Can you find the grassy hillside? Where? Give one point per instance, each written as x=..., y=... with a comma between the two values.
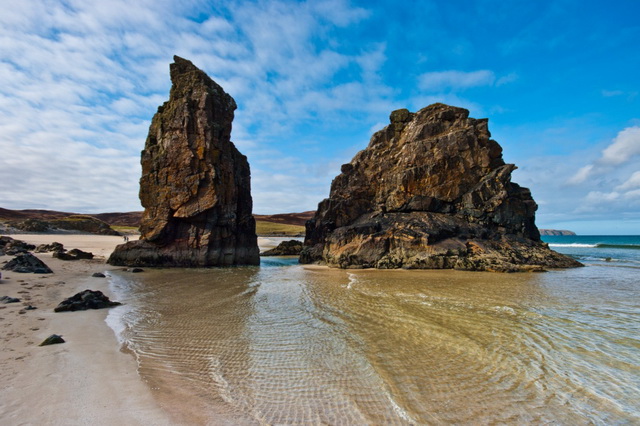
x=264, y=228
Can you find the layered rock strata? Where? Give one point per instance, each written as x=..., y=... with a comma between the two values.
x=430, y=191
x=195, y=185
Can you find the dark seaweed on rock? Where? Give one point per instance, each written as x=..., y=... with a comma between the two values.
x=430, y=191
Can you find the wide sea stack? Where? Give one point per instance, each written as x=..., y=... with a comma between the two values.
x=195, y=185
x=430, y=191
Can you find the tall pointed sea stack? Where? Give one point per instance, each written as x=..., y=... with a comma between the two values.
x=195, y=185
x=430, y=191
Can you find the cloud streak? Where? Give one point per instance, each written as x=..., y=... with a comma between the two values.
x=81, y=80
x=453, y=79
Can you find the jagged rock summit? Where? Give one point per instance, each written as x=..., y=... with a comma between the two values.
x=195, y=185
x=430, y=191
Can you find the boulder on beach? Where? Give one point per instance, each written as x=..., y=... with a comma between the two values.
x=10, y=246
x=27, y=263
x=9, y=299
x=87, y=299
x=74, y=254
x=285, y=248
x=430, y=191
x=45, y=248
x=52, y=340
x=195, y=185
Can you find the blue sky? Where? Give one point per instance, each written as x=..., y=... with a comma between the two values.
x=558, y=81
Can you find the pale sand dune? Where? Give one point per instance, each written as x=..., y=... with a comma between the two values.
x=88, y=379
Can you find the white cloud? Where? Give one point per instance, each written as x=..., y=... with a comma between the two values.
x=506, y=79
x=632, y=183
x=581, y=175
x=624, y=148
x=453, y=79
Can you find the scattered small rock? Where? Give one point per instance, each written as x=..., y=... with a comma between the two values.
x=52, y=340
x=7, y=299
x=26, y=263
x=88, y=299
x=137, y=270
x=30, y=308
x=98, y=275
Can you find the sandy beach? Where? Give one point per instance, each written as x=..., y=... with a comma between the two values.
x=88, y=379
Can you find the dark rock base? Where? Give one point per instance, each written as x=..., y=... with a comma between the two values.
x=285, y=248
x=142, y=253
x=420, y=240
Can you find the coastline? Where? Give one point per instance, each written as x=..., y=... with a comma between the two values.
x=88, y=379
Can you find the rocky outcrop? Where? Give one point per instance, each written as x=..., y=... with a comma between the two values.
x=430, y=191
x=27, y=263
x=556, y=232
x=87, y=299
x=285, y=248
x=195, y=185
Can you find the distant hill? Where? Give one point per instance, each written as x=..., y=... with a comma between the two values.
x=7, y=215
x=121, y=219
x=267, y=224
x=276, y=224
x=555, y=232
x=287, y=218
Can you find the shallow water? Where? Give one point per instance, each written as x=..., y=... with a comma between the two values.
x=287, y=344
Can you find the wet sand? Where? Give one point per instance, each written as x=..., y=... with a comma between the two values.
x=88, y=379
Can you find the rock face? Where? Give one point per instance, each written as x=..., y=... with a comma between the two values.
x=430, y=191
x=195, y=185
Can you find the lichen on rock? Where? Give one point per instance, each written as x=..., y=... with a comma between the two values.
x=430, y=191
x=195, y=185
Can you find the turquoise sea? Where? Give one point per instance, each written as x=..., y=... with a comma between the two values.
x=611, y=250
x=283, y=343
